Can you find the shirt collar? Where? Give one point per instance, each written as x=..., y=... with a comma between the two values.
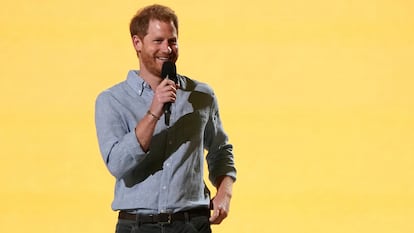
x=136, y=82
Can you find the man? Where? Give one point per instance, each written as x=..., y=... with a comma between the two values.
x=158, y=166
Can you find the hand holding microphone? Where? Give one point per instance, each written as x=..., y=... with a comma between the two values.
x=167, y=89
x=169, y=71
x=165, y=92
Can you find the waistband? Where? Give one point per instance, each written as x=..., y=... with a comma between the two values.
x=165, y=218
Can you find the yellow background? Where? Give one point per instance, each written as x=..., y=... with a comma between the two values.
x=316, y=96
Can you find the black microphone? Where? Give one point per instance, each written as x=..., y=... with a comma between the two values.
x=168, y=71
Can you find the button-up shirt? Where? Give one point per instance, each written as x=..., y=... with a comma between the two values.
x=168, y=177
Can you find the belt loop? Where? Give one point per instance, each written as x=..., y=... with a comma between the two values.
x=186, y=217
x=137, y=220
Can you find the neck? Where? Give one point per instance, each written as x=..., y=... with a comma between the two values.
x=150, y=78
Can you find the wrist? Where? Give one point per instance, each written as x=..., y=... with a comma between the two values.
x=225, y=186
x=151, y=114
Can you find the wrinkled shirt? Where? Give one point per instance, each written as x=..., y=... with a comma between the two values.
x=168, y=177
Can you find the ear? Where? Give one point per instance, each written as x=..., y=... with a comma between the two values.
x=137, y=43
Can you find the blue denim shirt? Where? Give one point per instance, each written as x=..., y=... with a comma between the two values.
x=169, y=177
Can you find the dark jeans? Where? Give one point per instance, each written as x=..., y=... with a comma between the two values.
x=194, y=225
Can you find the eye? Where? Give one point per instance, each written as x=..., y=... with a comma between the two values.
x=172, y=42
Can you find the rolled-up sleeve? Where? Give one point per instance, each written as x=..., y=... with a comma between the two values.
x=220, y=157
x=118, y=144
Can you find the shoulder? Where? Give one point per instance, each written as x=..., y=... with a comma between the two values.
x=114, y=92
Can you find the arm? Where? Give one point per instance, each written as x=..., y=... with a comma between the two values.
x=121, y=148
x=222, y=171
x=221, y=202
x=118, y=145
x=164, y=92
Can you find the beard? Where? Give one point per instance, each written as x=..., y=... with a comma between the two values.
x=149, y=64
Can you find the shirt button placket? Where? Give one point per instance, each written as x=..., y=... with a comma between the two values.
x=166, y=177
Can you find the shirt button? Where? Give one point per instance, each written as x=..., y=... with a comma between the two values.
x=169, y=142
x=164, y=187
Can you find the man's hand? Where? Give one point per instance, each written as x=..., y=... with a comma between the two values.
x=221, y=202
x=165, y=92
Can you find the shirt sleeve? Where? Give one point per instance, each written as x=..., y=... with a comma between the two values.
x=118, y=144
x=220, y=157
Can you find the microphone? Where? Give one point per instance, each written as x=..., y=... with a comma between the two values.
x=168, y=70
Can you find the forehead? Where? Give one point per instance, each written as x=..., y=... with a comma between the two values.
x=161, y=28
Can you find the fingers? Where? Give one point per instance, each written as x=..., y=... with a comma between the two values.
x=167, y=81
x=166, y=91
x=218, y=215
x=168, y=94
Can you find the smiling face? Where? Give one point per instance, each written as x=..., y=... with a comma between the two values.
x=157, y=46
